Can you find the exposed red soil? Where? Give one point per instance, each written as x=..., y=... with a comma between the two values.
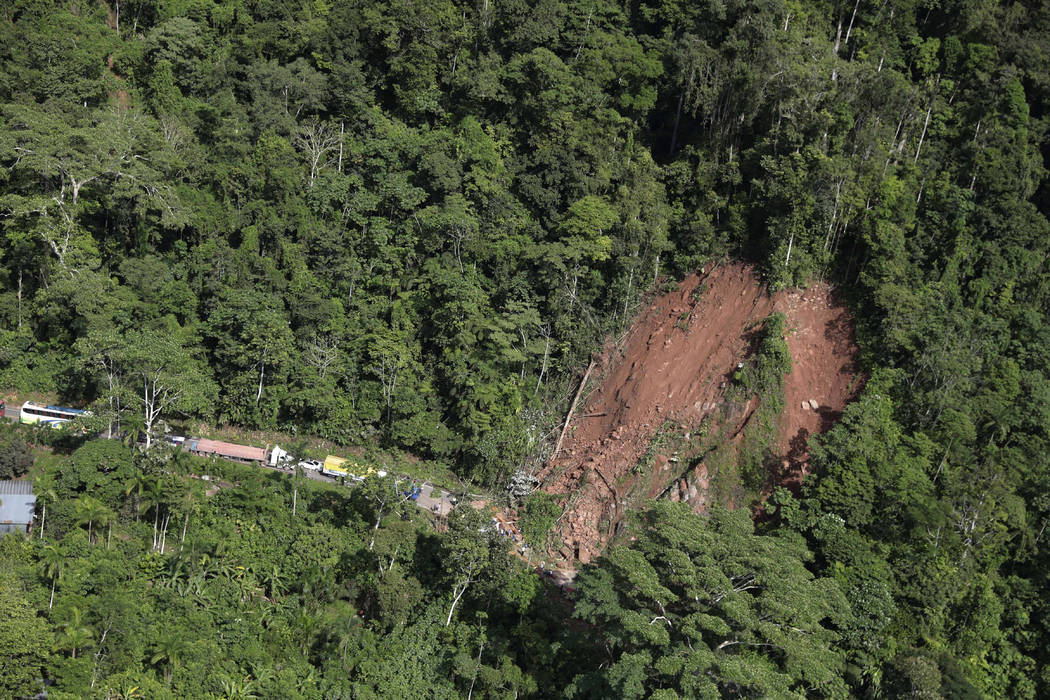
x=674, y=365
x=823, y=354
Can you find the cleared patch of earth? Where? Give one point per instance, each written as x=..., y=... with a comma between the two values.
x=823, y=355
x=669, y=378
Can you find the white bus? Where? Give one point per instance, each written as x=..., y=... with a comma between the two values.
x=51, y=415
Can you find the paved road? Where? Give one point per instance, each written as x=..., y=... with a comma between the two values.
x=435, y=500
x=430, y=499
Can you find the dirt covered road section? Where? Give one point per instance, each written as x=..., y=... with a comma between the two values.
x=661, y=403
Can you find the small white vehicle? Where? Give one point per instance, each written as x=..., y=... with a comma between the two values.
x=311, y=465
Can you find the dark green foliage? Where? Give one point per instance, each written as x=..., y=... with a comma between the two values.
x=705, y=607
x=25, y=638
x=15, y=457
x=406, y=224
x=763, y=373
x=536, y=516
x=762, y=376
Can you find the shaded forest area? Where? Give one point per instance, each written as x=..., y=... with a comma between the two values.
x=409, y=224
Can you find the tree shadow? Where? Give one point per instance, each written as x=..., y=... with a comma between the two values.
x=798, y=447
x=828, y=418
x=338, y=507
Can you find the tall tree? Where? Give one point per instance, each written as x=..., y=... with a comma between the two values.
x=702, y=605
x=166, y=376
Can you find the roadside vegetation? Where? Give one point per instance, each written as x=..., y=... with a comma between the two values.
x=404, y=227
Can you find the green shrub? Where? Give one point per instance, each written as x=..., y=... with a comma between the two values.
x=538, y=516
x=15, y=457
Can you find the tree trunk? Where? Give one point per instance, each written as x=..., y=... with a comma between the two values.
x=148, y=402
x=852, y=17
x=262, y=374
x=477, y=664
x=340, y=168
x=546, y=358
x=43, y=519
x=923, y=135
x=838, y=38
x=51, y=603
x=379, y=518
x=572, y=409
x=164, y=533
x=455, y=602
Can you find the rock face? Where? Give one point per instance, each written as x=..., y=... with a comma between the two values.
x=674, y=365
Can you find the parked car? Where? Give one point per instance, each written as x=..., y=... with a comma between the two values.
x=311, y=465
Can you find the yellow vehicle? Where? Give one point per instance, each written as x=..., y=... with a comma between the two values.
x=335, y=466
x=340, y=466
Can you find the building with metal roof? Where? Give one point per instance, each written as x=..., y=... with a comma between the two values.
x=17, y=504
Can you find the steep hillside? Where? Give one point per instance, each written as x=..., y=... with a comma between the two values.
x=664, y=401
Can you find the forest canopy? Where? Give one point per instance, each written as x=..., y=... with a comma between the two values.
x=408, y=224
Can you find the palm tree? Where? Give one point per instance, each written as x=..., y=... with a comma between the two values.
x=238, y=689
x=138, y=483
x=274, y=581
x=45, y=493
x=189, y=504
x=106, y=518
x=134, y=425
x=168, y=651
x=176, y=573
x=195, y=583
x=247, y=585
x=75, y=634
x=53, y=563
x=91, y=510
x=153, y=497
x=180, y=463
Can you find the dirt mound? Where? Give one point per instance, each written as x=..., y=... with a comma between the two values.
x=669, y=377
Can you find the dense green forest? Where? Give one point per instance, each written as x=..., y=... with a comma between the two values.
x=408, y=224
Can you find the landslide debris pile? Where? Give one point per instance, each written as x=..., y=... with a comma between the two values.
x=667, y=388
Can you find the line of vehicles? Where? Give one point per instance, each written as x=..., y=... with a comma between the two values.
x=273, y=457
x=276, y=458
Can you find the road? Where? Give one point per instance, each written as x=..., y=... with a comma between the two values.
x=430, y=499
x=435, y=500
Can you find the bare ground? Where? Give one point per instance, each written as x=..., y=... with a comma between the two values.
x=669, y=375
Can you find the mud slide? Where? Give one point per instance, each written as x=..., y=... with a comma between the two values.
x=670, y=374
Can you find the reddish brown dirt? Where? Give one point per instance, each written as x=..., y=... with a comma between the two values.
x=823, y=355
x=673, y=366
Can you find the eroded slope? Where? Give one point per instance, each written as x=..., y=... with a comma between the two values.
x=670, y=376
